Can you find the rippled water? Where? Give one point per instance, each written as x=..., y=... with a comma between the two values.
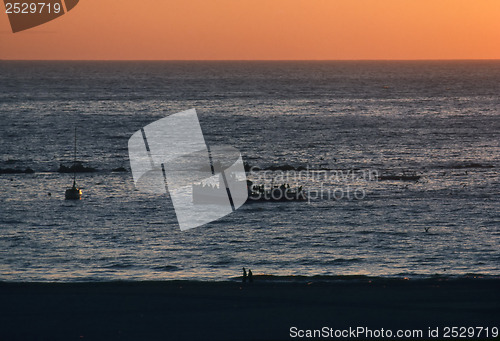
x=439, y=120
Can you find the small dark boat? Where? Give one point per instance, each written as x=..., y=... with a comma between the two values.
x=73, y=193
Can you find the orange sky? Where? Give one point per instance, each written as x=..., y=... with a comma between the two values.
x=263, y=29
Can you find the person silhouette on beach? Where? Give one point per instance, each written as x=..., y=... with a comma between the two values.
x=250, y=276
x=244, y=278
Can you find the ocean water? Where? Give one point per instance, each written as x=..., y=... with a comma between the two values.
x=439, y=120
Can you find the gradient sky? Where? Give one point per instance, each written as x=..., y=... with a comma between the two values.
x=263, y=29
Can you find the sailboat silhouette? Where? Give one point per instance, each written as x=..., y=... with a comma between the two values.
x=73, y=193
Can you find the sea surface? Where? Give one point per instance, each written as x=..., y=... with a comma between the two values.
x=439, y=120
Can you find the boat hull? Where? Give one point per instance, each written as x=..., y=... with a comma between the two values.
x=73, y=194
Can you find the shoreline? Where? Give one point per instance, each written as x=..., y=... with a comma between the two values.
x=270, y=278
x=231, y=310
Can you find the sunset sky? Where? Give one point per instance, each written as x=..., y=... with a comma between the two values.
x=263, y=29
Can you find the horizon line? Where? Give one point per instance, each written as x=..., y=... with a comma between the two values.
x=250, y=60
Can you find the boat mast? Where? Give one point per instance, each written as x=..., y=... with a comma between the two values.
x=74, y=163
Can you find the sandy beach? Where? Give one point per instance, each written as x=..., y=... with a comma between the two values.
x=263, y=310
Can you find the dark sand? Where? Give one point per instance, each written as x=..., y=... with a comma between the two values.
x=262, y=310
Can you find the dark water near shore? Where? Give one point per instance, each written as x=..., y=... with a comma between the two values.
x=439, y=120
